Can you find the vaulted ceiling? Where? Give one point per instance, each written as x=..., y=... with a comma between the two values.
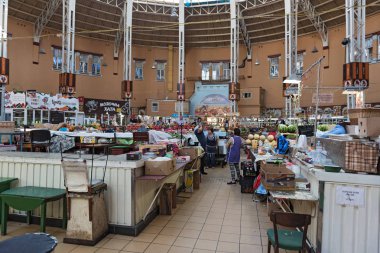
x=207, y=24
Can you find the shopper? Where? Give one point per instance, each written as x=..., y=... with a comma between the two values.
x=198, y=131
x=211, y=147
x=233, y=146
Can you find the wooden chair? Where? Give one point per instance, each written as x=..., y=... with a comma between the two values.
x=288, y=239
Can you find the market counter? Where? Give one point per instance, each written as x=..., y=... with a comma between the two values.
x=347, y=217
x=126, y=198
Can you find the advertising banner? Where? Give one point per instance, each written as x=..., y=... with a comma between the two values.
x=14, y=99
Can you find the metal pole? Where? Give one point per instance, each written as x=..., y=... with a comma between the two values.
x=317, y=104
x=127, y=13
x=181, y=61
x=3, y=49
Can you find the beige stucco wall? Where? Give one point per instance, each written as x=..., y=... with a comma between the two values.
x=25, y=75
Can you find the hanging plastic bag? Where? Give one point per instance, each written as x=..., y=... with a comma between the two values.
x=261, y=190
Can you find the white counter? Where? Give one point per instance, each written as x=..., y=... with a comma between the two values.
x=344, y=228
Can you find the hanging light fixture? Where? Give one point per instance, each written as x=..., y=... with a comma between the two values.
x=257, y=62
x=314, y=50
x=154, y=65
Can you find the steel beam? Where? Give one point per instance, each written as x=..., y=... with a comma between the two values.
x=68, y=36
x=291, y=10
x=234, y=52
x=118, y=36
x=315, y=19
x=127, y=18
x=163, y=8
x=181, y=58
x=44, y=18
x=3, y=50
x=245, y=35
x=355, y=49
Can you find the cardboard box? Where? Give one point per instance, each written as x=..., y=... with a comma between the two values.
x=277, y=177
x=189, y=151
x=159, y=168
x=183, y=159
x=369, y=127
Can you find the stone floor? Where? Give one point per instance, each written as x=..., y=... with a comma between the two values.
x=217, y=218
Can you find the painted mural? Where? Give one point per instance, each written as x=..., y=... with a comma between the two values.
x=210, y=100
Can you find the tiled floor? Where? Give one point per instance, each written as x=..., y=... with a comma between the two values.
x=217, y=218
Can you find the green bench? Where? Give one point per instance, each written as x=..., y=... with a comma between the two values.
x=29, y=198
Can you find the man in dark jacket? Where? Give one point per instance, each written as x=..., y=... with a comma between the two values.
x=198, y=131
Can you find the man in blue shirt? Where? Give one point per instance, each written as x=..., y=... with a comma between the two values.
x=198, y=131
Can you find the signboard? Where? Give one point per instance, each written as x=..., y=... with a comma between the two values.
x=101, y=106
x=324, y=98
x=356, y=76
x=350, y=196
x=14, y=99
x=291, y=90
x=38, y=100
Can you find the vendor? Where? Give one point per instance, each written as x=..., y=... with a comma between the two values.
x=233, y=158
x=211, y=147
x=159, y=122
x=198, y=131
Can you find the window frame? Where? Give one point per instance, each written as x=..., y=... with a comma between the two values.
x=139, y=65
x=57, y=56
x=299, y=69
x=160, y=71
x=94, y=64
x=157, y=106
x=83, y=69
x=274, y=62
x=246, y=93
x=226, y=71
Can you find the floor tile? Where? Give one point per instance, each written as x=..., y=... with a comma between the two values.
x=250, y=239
x=152, y=229
x=207, y=235
x=157, y=248
x=185, y=242
x=176, y=249
x=206, y=244
x=248, y=248
x=228, y=247
x=144, y=237
x=105, y=251
x=230, y=229
x=84, y=249
x=180, y=217
x=194, y=226
x=170, y=231
x=115, y=244
x=165, y=239
x=203, y=251
x=136, y=246
x=211, y=228
x=175, y=224
x=190, y=233
x=64, y=248
x=225, y=237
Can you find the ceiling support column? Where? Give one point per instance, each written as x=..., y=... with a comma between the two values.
x=290, y=49
x=4, y=61
x=67, y=78
x=127, y=84
x=234, y=89
x=181, y=59
x=355, y=46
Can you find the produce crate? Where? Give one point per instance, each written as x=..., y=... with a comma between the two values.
x=141, y=136
x=364, y=113
x=277, y=177
x=246, y=184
